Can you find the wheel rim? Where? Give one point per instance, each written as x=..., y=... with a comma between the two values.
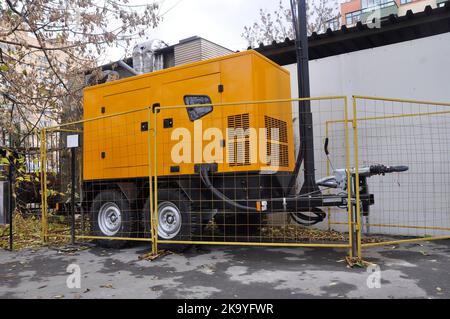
x=169, y=220
x=110, y=219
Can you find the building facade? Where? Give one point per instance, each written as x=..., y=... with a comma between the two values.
x=354, y=11
x=404, y=58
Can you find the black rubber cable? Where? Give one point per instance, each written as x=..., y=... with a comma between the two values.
x=310, y=220
x=205, y=178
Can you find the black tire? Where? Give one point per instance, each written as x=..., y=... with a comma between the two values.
x=128, y=219
x=190, y=222
x=240, y=226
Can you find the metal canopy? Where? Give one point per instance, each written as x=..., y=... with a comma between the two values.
x=360, y=37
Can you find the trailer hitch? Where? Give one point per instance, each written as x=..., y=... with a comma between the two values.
x=340, y=181
x=340, y=178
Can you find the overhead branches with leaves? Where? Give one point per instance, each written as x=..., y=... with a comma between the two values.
x=277, y=25
x=46, y=44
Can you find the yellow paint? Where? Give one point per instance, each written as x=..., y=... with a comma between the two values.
x=246, y=76
x=44, y=204
x=358, y=195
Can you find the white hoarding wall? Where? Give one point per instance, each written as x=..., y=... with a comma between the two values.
x=417, y=70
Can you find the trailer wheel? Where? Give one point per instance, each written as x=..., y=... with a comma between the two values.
x=176, y=221
x=112, y=217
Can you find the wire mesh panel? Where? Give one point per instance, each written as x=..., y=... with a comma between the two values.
x=56, y=187
x=20, y=196
x=413, y=135
x=205, y=172
x=97, y=176
x=228, y=173
x=239, y=173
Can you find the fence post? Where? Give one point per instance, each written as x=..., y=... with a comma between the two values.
x=11, y=202
x=44, y=221
x=347, y=166
x=155, y=188
x=328, y=173
x=72, y=193
x=356, y=182
x=152, y=180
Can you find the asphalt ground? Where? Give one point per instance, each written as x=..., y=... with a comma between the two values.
x=407, y=271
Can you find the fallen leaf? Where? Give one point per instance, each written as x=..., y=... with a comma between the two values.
x=108, y=286
x=333, y=284
x=153, y=257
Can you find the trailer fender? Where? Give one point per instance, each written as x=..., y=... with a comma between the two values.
x=184, y=186
x=129, y=190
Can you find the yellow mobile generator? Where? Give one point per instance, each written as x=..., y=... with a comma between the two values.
x=235, y=190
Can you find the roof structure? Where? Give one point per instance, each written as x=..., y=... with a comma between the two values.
x=393, y=30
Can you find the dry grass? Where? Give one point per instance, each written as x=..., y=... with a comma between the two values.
x=27, y=232
x=295, y=233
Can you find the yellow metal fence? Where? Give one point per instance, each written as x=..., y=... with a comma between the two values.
x=134, y=151
x=136, y=147
x=411, y=206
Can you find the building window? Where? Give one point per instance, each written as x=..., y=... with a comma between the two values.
x=333, y=24
x=405, y=1
x=353, y=17
x=196, y=113
x=370, y=4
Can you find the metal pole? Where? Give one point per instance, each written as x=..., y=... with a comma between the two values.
x=72, y=199
x=354, y=234
x=306, y=119
x=306, y=152
x=11, y=203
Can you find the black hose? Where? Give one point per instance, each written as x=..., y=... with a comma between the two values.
x=205, y=178
x=298, y=165
x=309, y=220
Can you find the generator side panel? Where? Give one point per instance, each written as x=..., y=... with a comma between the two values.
x=272, y=82
x=181, y=138
x=237, y=77
x=116, y=147
x=184, y=142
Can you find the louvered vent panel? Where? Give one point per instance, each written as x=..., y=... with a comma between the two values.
x=277, y=142
x=239, y=140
